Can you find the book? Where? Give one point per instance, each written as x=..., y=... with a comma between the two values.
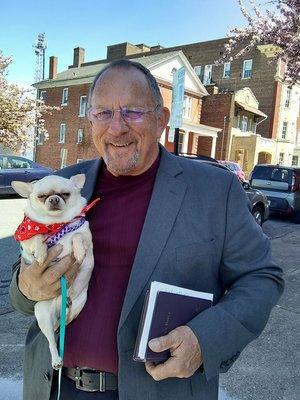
x=165, y=308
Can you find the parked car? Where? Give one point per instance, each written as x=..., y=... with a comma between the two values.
x=235, y=168
x=259, y=202
x=282, y=187
x=16, y=168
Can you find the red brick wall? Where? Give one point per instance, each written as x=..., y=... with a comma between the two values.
x=214, y=109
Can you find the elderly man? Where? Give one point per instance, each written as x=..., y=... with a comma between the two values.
x=162, y=218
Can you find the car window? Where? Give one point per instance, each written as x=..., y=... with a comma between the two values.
x=1, y=162
x=280, y=175
x=262, y=173
x=18, y=163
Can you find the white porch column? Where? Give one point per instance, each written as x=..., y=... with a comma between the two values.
x=185, y=142
x=213, y=147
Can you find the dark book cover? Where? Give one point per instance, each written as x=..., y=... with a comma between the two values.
x=170, y=311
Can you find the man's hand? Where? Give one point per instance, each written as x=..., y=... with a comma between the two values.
x=186, y=355
x=42, y=282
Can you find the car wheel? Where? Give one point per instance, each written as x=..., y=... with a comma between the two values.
x=258, y=215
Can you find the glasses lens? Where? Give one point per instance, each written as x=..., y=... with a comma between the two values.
x=133, y=114
x=102, y=114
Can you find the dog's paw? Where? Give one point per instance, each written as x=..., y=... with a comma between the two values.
x=57, y=363
x=40, y=255
x=79, y=253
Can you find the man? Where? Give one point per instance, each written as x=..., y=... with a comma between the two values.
x=162, y=218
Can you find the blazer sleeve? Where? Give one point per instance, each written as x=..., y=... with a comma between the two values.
x=252, y=283
x=18, y=301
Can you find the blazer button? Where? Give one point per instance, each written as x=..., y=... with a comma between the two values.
x=46, y=376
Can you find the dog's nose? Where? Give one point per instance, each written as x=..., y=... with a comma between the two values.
x=54, y=200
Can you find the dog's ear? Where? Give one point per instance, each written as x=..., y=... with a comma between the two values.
x=22, y=188
x=78, y=180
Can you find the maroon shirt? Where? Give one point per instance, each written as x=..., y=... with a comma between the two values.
x=116, y=222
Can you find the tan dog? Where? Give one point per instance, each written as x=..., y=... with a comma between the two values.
x=56, y=200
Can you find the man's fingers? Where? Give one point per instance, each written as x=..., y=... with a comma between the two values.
x=168, y=369
x=71, y=274
x=54, y=272
x=172, y=340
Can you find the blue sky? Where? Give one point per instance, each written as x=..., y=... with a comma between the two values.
x=96, y=24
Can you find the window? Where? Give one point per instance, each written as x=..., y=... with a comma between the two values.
x=65, y=97
x=226, y=70
x=43, y=95
x=288, y=97
x=295, y=160
x=207, y=78
x=17, y=163
x=79, y=136
x=284, y=130
x=39, y=138
x=82, y=106
x=247, y=69
x=280, y=162
x=63, y=157
x=244, y=123
x=187, y=107
x=180, y=142
x=62, y=133
x=198, y=70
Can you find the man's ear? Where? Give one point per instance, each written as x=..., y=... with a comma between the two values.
x=24, y=189
x=162, y=120
x=78, y=180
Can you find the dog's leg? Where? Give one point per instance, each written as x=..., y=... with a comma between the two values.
x=79, y=246
x=40, y=249
x=47, y=318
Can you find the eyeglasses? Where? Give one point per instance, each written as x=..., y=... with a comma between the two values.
x=129, y=114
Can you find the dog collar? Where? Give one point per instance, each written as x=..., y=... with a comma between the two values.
x=29, y=228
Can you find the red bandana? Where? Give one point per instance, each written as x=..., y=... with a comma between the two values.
x=28, y=228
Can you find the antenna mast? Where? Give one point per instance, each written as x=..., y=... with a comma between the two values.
x=39, y=48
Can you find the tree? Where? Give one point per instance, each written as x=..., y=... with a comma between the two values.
x=20, y=112
x=281, y=30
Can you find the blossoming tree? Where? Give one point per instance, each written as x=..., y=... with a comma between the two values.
x=20, y=112
x=281, y=29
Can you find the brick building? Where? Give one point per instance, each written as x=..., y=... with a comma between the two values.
x=70, y=138
x=254, y=71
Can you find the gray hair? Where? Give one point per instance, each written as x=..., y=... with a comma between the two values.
x=127, y=64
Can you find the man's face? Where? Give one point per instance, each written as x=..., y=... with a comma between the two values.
x=128, y=148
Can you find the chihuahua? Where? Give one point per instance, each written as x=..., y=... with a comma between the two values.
x=55, y=212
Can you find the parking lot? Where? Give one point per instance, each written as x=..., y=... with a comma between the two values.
x=267, y=369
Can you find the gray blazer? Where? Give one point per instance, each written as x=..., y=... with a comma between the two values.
x=199, y=234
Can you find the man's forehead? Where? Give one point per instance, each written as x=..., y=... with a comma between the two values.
x=122, y=76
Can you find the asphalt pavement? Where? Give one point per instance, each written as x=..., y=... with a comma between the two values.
x=268, y=369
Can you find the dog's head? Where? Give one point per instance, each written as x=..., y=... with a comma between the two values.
x=52, y=196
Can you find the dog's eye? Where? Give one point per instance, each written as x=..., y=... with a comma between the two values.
x=65, y=194
x=41, y=196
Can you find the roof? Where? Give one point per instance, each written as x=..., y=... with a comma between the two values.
x=253, y=110
x=87, y=73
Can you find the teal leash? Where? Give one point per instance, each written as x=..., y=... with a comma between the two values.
x=62, y=326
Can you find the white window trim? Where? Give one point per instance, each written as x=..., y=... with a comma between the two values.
x=207, y=76
x=198, y=68
x=187, y=109
x=82, y=137
x=227, y=70
x=39, y=139
x=82, y=114
x=284, y=131
x=63, y=157
x=63, y=102
x=244, y=69
x=60, y=140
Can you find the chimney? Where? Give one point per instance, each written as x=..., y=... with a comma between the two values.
x=52, y=67
x=78, y=57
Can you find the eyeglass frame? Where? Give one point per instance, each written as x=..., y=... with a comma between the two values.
x=122, y=110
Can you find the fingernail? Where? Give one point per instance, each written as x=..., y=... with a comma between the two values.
x=153, y=343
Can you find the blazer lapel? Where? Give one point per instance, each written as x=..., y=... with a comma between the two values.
x=167, y=196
